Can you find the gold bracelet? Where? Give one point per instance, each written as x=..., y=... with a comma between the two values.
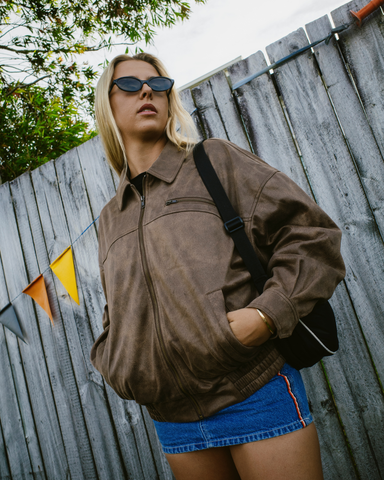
x=265, y=321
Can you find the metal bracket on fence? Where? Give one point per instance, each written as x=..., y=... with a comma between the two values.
x=291, y=56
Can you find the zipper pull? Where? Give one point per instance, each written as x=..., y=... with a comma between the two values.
x=142, y=201
x=169, y=202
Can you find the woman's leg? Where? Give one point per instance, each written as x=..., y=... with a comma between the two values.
x=294, y=456
x=210, y=464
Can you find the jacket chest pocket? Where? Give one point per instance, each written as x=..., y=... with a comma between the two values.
x=190, y=200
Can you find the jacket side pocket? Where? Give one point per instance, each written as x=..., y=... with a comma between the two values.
x=233, y=346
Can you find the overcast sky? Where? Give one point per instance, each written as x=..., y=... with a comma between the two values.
x=222, y=30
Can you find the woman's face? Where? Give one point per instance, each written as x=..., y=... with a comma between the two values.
x=127, y=107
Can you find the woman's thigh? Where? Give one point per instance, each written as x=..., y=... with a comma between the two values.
x=294, y=456
x=210, y=464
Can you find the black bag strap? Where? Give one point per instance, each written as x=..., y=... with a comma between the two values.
x=233, y=224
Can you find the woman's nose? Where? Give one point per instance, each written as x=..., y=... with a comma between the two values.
x=146, y=91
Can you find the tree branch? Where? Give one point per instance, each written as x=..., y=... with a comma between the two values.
x=10, y=30
x=70, y=49
x=26, y=85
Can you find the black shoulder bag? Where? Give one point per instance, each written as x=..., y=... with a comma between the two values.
x=315, y=336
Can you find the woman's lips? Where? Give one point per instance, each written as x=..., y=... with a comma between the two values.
x=147, y=112
x=147, y=109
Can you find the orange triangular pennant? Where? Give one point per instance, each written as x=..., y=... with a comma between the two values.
x=9, y=319
x=38, y=292
x=64, y=269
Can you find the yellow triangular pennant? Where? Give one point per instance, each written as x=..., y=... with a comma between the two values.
x=38, y=291
x=64, y=270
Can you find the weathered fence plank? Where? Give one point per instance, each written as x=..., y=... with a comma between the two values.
x=98, y=178
x=327, y=161
x=264, y=119
x=229, y=115
x=356, y=391
x=165, y=472
x=16, y=461
x=89, y=383
x=128, y=420
x=208, y=113
x=250, y=101
x=28, y=361
x=11, y=426
x=363, y=49
x=77, y=212
x=190, y=107
x=362, y=143
x=53, y=338
x=336, y=460
x=4, y=468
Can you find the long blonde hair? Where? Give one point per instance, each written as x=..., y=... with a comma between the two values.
x=184, y=137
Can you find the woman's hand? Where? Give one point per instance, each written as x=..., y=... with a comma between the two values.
x=248, y=326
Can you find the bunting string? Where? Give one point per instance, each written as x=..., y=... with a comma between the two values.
x=49, y=268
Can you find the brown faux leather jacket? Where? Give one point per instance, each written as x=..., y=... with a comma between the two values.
x=170, y=274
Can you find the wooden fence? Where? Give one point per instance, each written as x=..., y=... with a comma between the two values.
x=320, y=119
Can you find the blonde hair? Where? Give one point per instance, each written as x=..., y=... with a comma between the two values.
x=184, y=137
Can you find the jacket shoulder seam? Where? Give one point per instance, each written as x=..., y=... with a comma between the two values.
x=260, y=192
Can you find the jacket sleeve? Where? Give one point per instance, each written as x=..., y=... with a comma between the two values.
x=302, y=244
x=98, y=347
x=105, y=313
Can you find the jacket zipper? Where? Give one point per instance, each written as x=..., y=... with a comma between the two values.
x=188, y=199
x=156, y=307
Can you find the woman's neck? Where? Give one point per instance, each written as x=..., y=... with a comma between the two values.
x=141, y=155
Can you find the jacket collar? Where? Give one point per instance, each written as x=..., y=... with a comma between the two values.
x=165, y=167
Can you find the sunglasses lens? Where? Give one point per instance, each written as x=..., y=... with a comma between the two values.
x=133, y=84
x=129, y=84
x=160, y=84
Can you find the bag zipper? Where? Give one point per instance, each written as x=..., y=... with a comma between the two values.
x=155, y=305
x=188, y=199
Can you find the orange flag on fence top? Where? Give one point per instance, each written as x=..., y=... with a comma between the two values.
x=9, y=319
x=37, y=290
x=64, y=270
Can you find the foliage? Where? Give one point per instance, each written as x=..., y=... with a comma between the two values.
x=41, y=42
x=43, y=38
x=35, y=128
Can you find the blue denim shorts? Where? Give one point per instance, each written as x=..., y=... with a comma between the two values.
x=279, y=407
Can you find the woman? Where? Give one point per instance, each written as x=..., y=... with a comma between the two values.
x=185, y=332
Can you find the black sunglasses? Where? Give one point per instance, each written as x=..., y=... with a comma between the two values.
x=133, y=84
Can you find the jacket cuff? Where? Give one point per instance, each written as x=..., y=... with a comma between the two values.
x=279, y=308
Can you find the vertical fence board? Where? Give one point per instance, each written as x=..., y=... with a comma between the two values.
x=322, y=145
x=72, y=425
x=98, y=177
x=165, y=472
x=14, y=459
x=28, y=364
x=190, y=107
x=127, y=416
x=356, y=391
x=78, y=215
x=264, y=119
x=357, y=131
x=335, y=458
x=226, y=105
x=89, y=383
x=4, y=468
x=54, y=232
x=258, y=101
x=210, y=117
x=364, y=50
